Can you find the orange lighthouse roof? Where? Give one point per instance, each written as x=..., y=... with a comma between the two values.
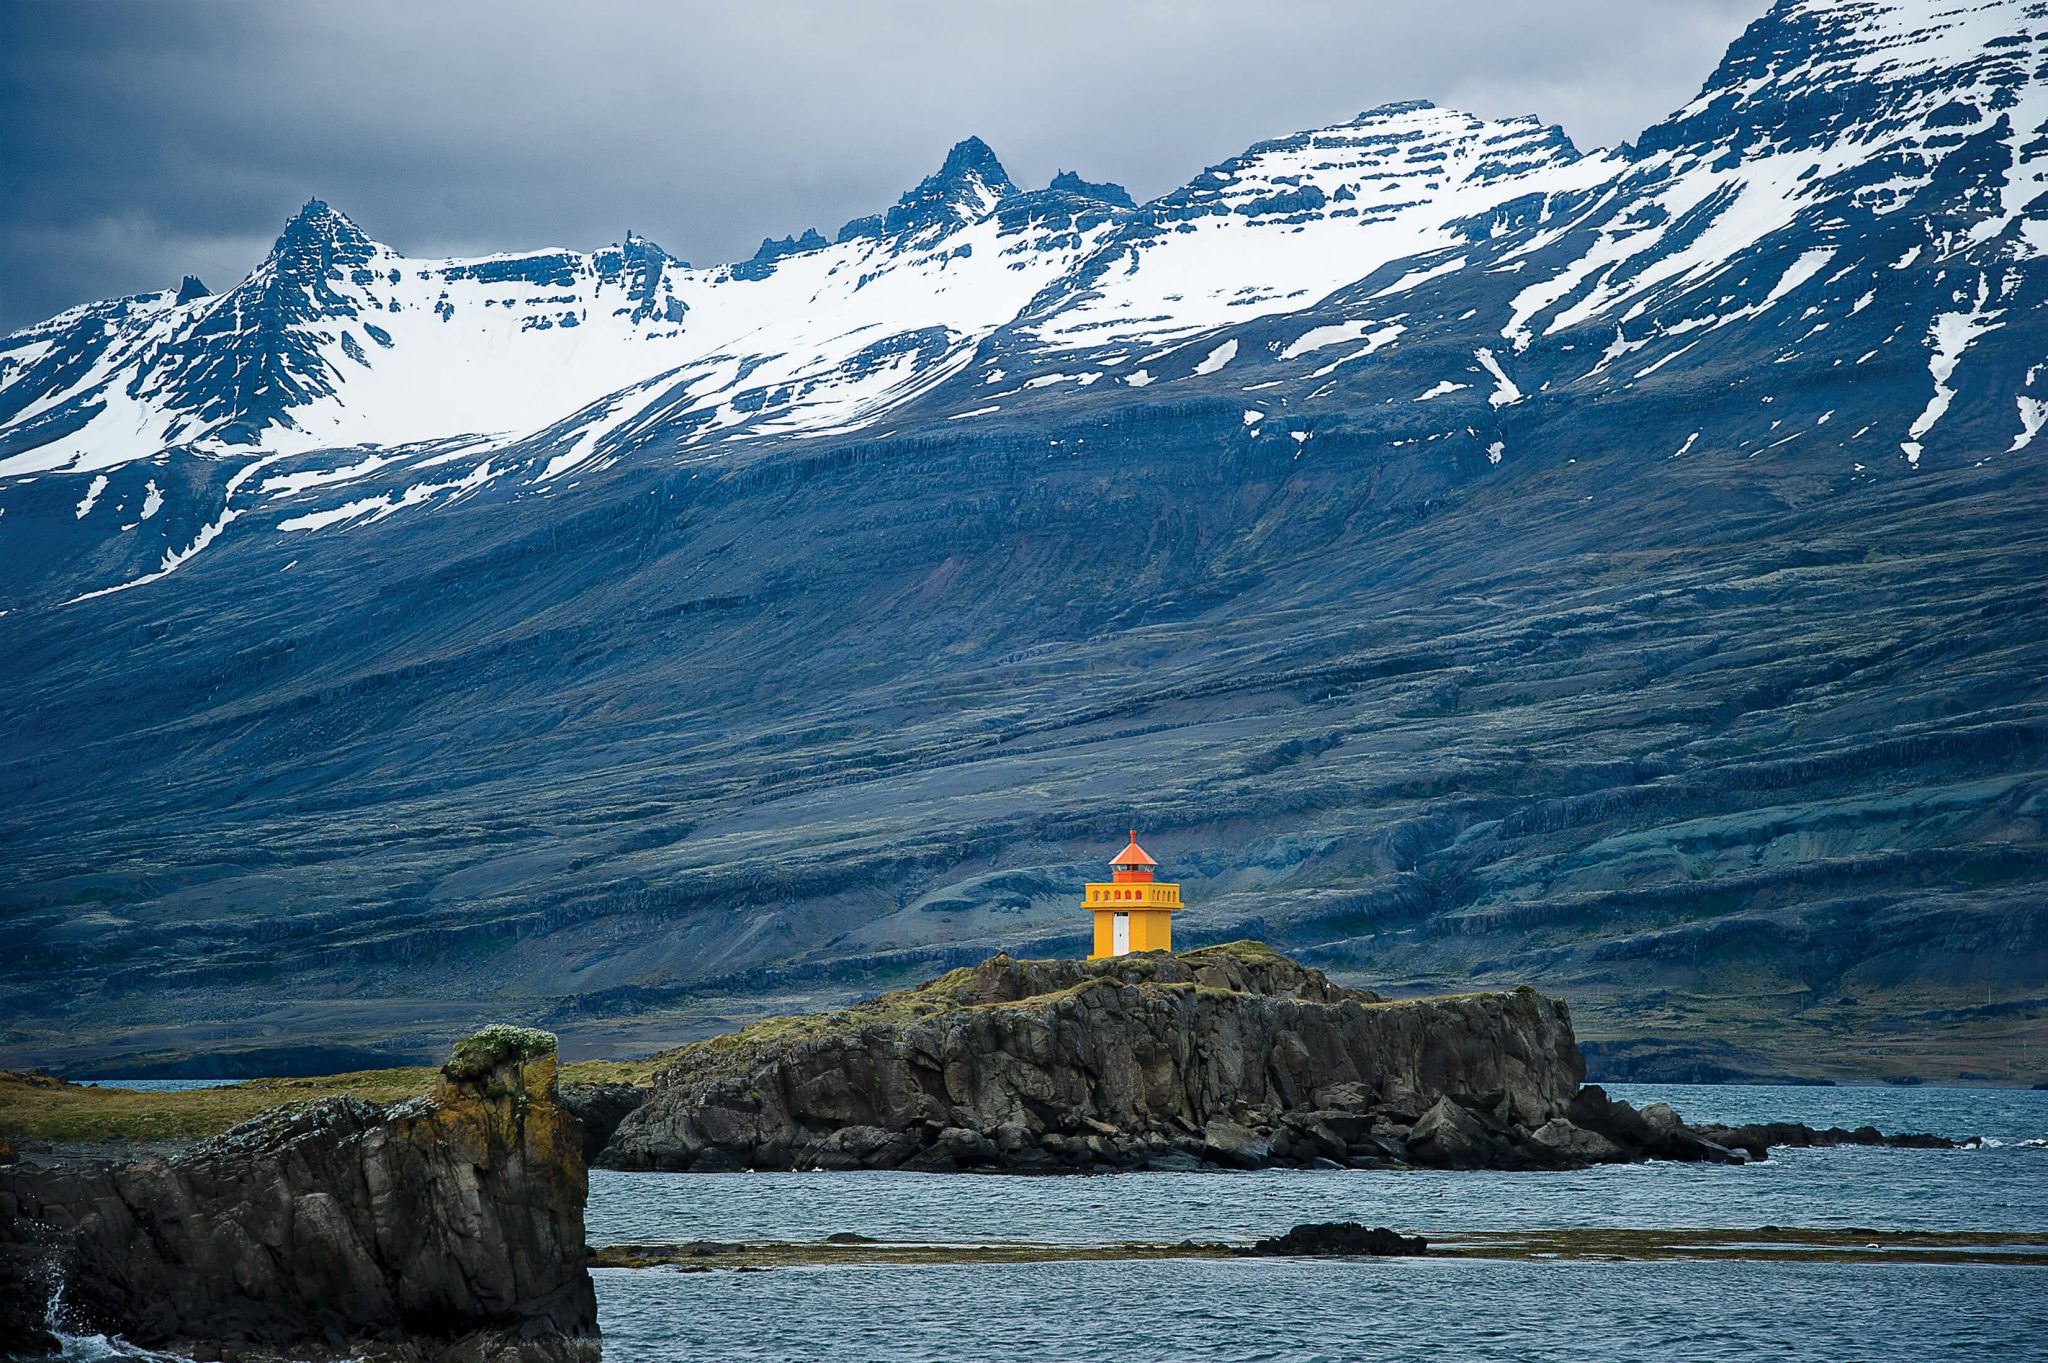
x=1133, y=855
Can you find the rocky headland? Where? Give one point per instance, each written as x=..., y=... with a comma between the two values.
x=442, y=1228
x=1231, y=1056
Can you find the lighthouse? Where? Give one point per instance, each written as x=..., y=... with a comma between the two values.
x=1133, y=912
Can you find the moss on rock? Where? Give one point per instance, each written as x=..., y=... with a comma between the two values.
x=482, y=1051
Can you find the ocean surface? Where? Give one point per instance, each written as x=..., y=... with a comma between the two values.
x=1300, y=1311
x=158, y=1085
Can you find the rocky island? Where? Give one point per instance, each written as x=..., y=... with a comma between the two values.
x=1227, y=1055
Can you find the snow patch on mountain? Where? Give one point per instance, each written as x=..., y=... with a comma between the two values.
x=1217, y=358
x=1952, y=334
x=1504, y=393
x=92, y=496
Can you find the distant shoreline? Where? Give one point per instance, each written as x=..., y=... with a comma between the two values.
x=2024, y=1249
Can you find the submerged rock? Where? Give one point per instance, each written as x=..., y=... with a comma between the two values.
x=1225, y=1056
x=1340, y=1238
x=447, y=1227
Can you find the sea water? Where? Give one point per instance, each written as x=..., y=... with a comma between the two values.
x=1238, y=1311
x=158, y=1085
x=2001, y=1184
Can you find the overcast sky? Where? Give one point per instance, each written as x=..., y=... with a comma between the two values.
x=141, y=140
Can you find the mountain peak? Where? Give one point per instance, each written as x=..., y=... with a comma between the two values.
x=1379, y=113
x=973, y=159
x=1809, y=73
x=318, y=232
x=190, y=288
x=637, y=247
x=965, y=188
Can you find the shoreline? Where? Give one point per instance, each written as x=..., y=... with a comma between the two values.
x=2019, y=1249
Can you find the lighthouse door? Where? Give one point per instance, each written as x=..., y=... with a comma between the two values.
x=1120, y=935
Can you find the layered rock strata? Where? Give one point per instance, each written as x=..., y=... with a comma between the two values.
x=447, y=1227
x=1229, y=1055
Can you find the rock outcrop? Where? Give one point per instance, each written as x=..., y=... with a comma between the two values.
x=1345, y=1239
x=1756, y=1138
x=447, y=1227
x=599, y=1108
x=1229, y=1055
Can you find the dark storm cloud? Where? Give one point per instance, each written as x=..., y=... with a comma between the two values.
x=144, y=139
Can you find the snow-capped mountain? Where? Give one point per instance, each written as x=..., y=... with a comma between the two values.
x=1858, y=184
x=1281, y=227
x=1858, y=187
x=334, y=338
x=337, y=339
x=1483, y=560
x=337, y=342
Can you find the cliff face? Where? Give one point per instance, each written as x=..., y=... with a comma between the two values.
x=1231, y=1054
x=448, y=1227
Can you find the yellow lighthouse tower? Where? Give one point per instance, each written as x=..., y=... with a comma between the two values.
x=1132, y=912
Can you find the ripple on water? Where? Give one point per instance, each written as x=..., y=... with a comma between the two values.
x=1199, y=1310
x=2000, y=1188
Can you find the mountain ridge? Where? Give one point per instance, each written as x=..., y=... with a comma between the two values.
x=1477, y=560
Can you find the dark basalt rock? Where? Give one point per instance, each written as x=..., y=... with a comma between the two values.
x=599, y=1108
x=1340, y=1238
x=1654, y=1132
x=1228, y=1056
x=1757, y=1137
x=442, y=1228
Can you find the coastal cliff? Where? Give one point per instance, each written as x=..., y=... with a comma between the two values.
x=447, y=1227
x=1230, y=1055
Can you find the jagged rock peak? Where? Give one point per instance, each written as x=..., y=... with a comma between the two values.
x=190, y=288
x=772, y=249
x=762, y=263
x=316, y=242
x=643, y=268
x=972, y=159
x=639, y=250
x=969, y=184
x=317, y=221
x=638, y=246
x=1067, y=182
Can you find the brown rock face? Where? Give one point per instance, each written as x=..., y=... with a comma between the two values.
x=445, y=1228
x=1231, y=1055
